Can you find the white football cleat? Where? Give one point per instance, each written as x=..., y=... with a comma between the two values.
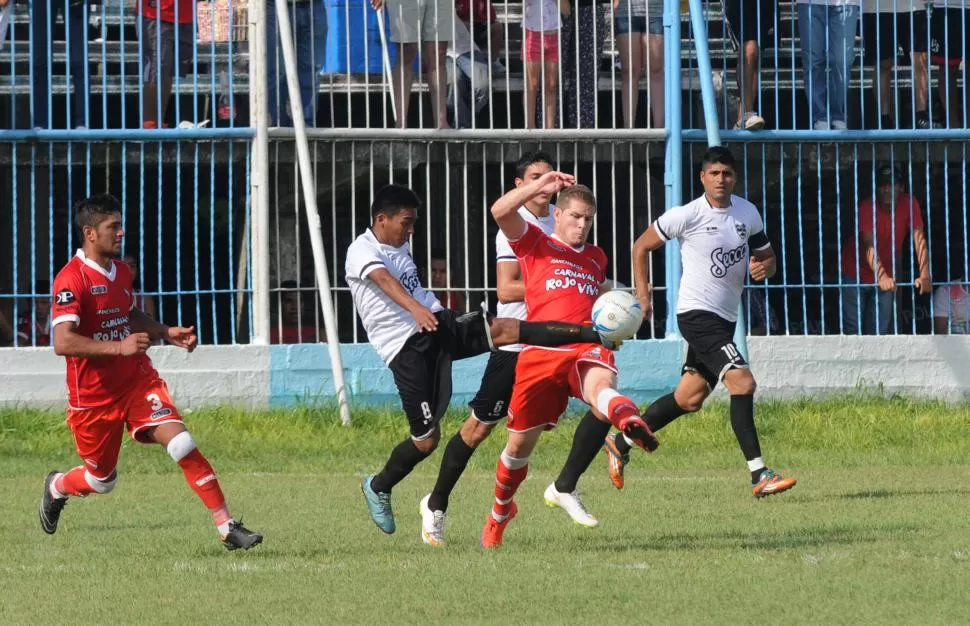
x=571, y=504
x=432, y=524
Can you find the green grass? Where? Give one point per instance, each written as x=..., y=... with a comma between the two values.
x=876, y=531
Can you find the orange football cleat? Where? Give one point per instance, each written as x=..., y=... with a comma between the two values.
x=493, y=531
x=615, y=460
x=771, y=483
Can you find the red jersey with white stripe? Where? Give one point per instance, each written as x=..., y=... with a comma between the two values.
x=98, y=301
x=561, y=282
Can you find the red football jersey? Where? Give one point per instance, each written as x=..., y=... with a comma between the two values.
x=561, y=282
x=98, y=301
x=181, y=11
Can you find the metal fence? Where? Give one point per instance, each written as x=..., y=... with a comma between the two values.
x=188, y=190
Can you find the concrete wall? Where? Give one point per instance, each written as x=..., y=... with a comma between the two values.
x=259, y=376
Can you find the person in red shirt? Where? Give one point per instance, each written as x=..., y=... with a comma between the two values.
x=168, y=46
x=34, y=328
x=291, y=327
x=111, y=382
x=563, y=276
x=868, y=295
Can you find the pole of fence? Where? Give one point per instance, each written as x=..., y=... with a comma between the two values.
x=674, y=158
x=312, y=214
x=711, y=122
x=259, y=179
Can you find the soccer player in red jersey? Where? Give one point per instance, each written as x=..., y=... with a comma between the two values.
x=111, y=382
x=563, y=276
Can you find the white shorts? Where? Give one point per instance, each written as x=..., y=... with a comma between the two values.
x=414, y=21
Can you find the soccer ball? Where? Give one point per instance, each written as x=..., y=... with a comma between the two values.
x=617, y=315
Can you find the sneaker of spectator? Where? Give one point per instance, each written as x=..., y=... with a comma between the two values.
x=826, y=30
x=428, y=24
x=748, y=25
x=540, y=54
x=639, y=29
x=168, y=47
x=887, y=26
x=308, y=21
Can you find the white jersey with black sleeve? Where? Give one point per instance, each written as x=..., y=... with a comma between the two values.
x=504, y=254
x=715, y=247
x=388, y=325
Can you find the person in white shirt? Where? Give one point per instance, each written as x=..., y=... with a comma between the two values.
x=951, y=309
x=419, y=339
x=827, y=31
x=722, y=238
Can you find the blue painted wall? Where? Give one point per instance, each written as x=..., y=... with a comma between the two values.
x=302, y=373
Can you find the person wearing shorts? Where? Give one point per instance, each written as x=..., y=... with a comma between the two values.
x=639, y=29
x=949, y=47
x=414, y=22
x=887, y=27
x=112, y=385
x=167, y=50
x=540, y=55
x=749, y=25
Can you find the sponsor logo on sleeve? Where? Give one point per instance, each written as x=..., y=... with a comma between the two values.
x=97, y=290
x=64, y=297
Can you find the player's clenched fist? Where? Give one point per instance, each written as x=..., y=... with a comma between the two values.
x=758, y=269
x=425, y=318
x=646, y=303
x=182, y=337
x=553, y=182
x=135, y=343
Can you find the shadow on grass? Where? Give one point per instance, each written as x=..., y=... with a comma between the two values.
x=901, y=493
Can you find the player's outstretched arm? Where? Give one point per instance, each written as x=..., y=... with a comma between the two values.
x=67, y=342
x=506, y=209
x=396, y=292
x=646, y=243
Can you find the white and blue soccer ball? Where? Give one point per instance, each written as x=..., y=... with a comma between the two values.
x=617, y=315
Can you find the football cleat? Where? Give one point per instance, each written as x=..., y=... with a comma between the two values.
x=572, y=504
x=432, y=524
x=50, y=507
x=771, y=483
x=638, y=432
x=379, y=505
x=493, y=531
x=616, y=461
x=241, y=537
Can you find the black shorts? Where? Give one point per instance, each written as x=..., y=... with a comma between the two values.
x=947, y=43
x=159, y=41
x=746, y=23
x=491, y=403
x=422, y=369
x=711, y=351
x=908, y=31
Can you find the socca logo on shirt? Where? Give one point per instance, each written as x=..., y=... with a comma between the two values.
x=411, y=282
x=722, y=261
x=97, y=290
x=742, y=231
x=64, y=296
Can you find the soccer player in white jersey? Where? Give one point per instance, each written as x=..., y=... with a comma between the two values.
x=491, y=403
x=419, y=339
x=719, y=233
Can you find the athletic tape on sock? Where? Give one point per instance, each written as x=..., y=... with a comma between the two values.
x=755, y=464
x=604, y=398
x=100, y=486
x=513, y=463
x=180, y=446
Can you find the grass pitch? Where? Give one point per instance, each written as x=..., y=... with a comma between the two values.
x=876, y=531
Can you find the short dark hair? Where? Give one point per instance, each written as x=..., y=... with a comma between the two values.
x=92, y=211
x=42, y=288
x=391, y=199
x=889, y=174
x=531, y=158
x=288, y=284
x=718, y=154
x=576, y=192
x=439, y=253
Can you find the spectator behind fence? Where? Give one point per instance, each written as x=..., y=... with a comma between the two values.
x=308, y=23
x=468, y=84
x=168, y=48
x=950, y=47
x=750, y=24
x=34, y=325
x=415, y=22
x=887, y=26
x=583, y=34
x=292, y=327
x=951, y=307
x=481, y=20
x=540, y=55
x=639, y=29
x=143, y=303
x=43, y=16
x=6, y=11
x=884, y=221
x=761, y=316
x=827, y=30
x=452, y=299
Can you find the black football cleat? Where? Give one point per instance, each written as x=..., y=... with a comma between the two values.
x=50, y=507
x=241, y=537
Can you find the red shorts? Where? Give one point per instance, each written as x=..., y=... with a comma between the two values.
x=98, y=432
x=544, y=380
x=539, y=47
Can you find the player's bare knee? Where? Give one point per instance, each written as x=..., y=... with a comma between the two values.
x=690, y=402
x=429, y=443
x=474, y=432
x=740, y=382
x=101, y=485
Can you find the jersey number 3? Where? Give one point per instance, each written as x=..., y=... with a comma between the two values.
x=155, y=401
